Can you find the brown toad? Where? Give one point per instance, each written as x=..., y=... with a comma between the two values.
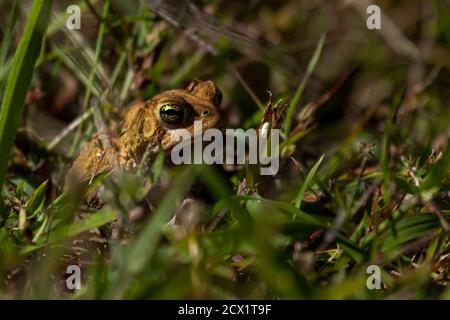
x=149, y=126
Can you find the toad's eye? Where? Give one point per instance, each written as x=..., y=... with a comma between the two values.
x=172, y=114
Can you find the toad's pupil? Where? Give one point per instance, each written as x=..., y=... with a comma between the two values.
x=172, y=114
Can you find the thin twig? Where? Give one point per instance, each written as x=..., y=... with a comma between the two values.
x=244, y=84
x=69, y=129
x=432, y=205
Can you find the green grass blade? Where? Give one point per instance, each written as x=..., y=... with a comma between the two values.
x=5, y=43
x=36, y=202
x=305, y=185
x=98, y=48
x=410, y=228
x=145, y=245
x=438, y=172
x=20, y=78
x=68, y=231
x=385, y=151
x=301, y=88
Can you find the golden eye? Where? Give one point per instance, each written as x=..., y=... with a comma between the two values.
x=172, y=114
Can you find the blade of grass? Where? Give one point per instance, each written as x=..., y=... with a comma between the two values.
x=305, y=185
x=438, y=172
x=145, y=245
x=98, y=49
x=19, y=80
x=68, y=231
x=410, y=228
x=7, y=36
x=301, y=88
x=36, y=202
x=385, y=154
